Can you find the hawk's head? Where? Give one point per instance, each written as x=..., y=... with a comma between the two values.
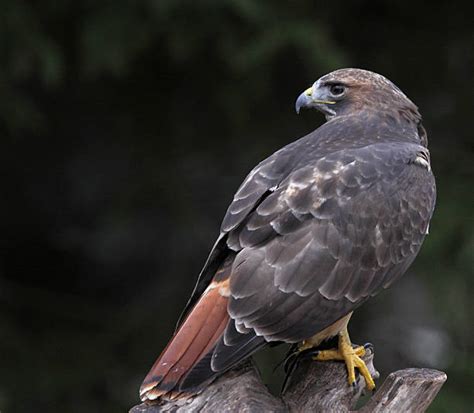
x=347, y=91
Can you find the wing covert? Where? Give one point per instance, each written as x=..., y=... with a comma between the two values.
x=332, y=234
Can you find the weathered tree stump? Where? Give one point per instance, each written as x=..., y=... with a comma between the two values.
x=313, y=386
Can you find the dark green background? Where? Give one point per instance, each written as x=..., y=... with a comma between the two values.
x=126, y=127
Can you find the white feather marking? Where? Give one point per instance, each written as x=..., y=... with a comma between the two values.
x=293, y=188
x=423, y=162
x=378, y=235
x=339, y=167
x=224, y=291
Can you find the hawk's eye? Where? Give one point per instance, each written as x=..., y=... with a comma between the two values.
x=337, y=90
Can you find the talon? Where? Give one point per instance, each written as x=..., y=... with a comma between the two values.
x=360, y=351
x=351, y=356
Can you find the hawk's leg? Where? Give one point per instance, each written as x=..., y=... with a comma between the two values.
x=351, y=356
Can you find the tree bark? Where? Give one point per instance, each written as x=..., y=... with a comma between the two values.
x=313, y=386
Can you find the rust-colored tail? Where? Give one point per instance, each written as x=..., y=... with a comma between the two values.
x=195, y=338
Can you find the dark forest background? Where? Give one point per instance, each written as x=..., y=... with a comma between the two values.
x=126, y=127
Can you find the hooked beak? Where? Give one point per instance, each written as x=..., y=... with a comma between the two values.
x=307, y=100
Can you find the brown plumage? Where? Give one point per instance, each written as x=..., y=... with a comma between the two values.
x=195, y=337
x=313, y=231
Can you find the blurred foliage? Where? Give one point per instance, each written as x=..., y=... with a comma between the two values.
x=81, y=42
x=126, y=128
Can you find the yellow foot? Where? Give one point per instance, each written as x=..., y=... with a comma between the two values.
x=352, y=358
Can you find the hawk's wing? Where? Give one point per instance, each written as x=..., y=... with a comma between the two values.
x=329, y=236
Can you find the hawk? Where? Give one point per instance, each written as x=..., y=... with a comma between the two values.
x=313, y=232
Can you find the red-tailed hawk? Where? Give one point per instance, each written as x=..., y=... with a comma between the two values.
x=313, y=231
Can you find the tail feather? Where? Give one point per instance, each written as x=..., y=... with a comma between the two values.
x=205, y=345
x=196, y=336
x=199, y=344
x=227, y=357
x=215, y=338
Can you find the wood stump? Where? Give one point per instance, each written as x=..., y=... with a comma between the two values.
x=312, y=387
